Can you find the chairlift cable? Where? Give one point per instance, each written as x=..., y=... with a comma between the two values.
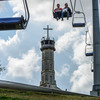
x=71, y=5
x=90, y=38
x=87, y=32
x=81, y=6
x=74, y=6
x=86, y=38
x=82, y=10
x=25, y=9
x=27, y=15
x=53, y=5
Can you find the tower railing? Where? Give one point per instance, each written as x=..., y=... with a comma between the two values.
x=45, y=38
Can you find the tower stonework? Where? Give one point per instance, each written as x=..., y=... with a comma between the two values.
x=48, y=73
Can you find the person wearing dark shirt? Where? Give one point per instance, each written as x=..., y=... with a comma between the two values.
x=66, y=10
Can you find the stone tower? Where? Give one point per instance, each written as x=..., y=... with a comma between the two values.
x=48, y=73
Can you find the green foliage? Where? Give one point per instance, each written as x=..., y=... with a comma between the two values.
x=10, y=94
x=2, y=69
x=9, y=98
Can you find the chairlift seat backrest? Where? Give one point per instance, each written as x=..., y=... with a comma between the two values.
x=89, y=54
x=12, y=23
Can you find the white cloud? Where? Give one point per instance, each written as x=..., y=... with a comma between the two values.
x=17, y=7
x=82, y=79
x=1, y=6
x=66, y=40
x=82, y=76
x=41, y=11
x=64, y=71
x=9, y=47
x=23, y=67
x=79, y=51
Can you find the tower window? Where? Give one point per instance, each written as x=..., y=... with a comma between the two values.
x=46, y=55
x=42, y=55
x=46, y=66
x=51, y=55
x=50, y=78
x=46, y=78
x=46, y=42
x=42, y=65
x=50, y=66
x=42, y=78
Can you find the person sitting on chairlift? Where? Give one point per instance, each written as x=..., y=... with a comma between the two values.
x=66, y=12
x=57, y=12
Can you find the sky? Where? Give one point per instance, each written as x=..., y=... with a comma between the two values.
x=20, y=50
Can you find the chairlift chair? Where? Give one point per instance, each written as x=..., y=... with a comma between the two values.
x=88, y=47
x=79, y=23
x=89, y=54
x=65, y=14
x=15, y=23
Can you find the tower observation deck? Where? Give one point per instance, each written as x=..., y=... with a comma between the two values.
x=48, y=73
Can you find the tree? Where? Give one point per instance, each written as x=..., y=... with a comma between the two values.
x=2, y=69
